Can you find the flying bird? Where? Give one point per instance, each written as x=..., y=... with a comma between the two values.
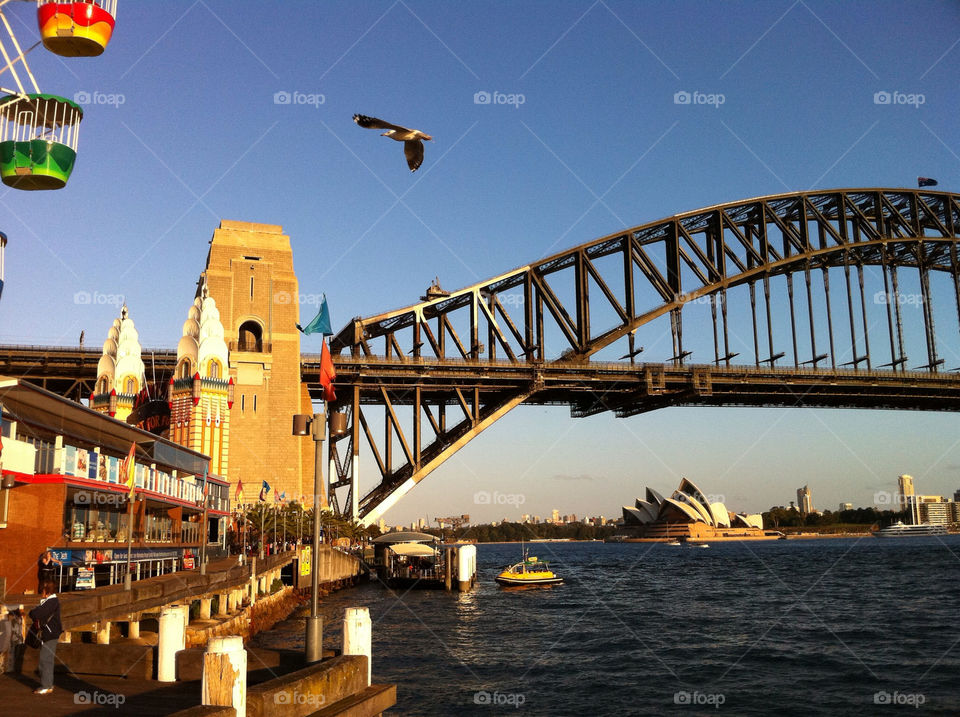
x=412, y=146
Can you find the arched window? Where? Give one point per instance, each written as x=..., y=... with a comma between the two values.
x=130, y=386
x=183, y=369
x=251, y=337
x=214, y=369
x=103, y=385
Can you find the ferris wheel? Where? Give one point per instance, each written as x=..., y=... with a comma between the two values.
x=39, y=132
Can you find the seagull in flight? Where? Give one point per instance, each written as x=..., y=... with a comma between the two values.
x=412, y=146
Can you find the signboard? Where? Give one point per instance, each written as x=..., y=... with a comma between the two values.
x=64, y=556
x=188, y=562
x=85, y=579
x=158, y=554
x=151, y=414
x=305, y=560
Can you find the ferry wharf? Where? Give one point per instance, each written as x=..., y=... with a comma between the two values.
x=138, y=652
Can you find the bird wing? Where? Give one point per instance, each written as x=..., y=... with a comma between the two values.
x=374, y=123
x=413, y=151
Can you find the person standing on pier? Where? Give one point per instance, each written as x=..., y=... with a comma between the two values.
x=46, y=572
x=47, y=613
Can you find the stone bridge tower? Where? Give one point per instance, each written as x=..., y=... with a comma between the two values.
x=250, y=272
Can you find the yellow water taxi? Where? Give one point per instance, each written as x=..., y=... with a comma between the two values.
x=528, y=571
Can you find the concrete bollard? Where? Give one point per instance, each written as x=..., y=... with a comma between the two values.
x=133, y=629
x=358, y=636
x=205, y=605
x=466, y=566
x=172, y=639
x=103, y=632
x=225, y=674
x=222, y=605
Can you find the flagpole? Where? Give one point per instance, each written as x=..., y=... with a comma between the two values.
x=203, y=531
x=128, y=580
x=262, y=511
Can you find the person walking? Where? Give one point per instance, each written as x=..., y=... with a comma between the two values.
x=17, y=646
x=6, y=643
x=47, y=613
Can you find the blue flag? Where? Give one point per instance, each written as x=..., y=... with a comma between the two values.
x=264, y=491
x=320, y=323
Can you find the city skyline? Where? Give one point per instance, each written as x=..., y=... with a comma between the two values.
x=192, y=115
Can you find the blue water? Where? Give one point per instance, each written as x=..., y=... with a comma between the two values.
x=813, y=627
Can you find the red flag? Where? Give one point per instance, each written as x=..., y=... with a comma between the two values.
x=327, y=374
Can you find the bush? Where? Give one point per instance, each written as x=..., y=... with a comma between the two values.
x=276, y=585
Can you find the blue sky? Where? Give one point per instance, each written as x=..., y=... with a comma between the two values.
x=182, y=128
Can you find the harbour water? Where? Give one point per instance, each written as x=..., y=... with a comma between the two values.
x=807, y=627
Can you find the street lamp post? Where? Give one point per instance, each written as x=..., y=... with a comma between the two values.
x=317, y=430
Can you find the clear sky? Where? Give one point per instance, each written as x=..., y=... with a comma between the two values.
x=184, y=126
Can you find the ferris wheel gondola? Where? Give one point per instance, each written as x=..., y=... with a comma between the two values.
x=76, y=28
x=38, y=140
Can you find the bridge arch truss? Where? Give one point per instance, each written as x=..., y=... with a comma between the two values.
x=818, y=278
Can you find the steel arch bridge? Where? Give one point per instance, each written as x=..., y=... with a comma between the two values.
x=814, y=275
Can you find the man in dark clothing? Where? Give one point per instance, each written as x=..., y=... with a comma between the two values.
x=48, y=613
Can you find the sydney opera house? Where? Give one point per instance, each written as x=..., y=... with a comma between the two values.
x=688, y=515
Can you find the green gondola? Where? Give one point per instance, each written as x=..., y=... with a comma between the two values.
x=38, y=140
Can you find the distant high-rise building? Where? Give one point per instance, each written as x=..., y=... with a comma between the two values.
x=804, y=500
x=932, y=509
x=846, y=506
x=555, y=516
x=956, y=497
x=904, y=491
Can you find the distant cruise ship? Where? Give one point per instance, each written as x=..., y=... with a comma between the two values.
x=899, y=530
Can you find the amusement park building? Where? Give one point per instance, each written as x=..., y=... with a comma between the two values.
x=688, y=515
x=63, y=490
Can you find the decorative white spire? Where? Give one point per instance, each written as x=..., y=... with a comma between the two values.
x=121, y=359
x=203, y=343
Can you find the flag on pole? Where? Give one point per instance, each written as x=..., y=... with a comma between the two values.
x=129, y=469
x=320, y=323
x=328, y=374
x=264, y=491
x=239, y=495
x=926, y=182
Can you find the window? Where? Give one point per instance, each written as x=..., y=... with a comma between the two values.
x=254, y=403
x=183, y=369
x=243, y=401
x=103, y=384
x=214, y=369
x=130, y=386
x=251, y=288
x=251, y=337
